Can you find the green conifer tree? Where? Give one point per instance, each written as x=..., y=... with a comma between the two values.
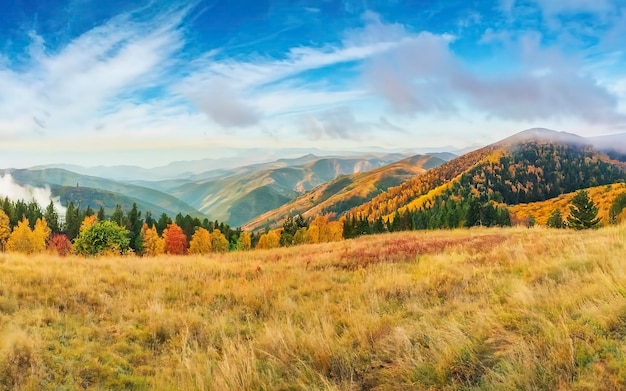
x=583, y=212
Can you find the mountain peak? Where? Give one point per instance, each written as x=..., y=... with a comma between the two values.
x=543, y=135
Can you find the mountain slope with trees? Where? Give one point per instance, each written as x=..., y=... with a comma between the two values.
x=603, y=196
x=248, y=192
x=347, y=191
x=475, y=189
x=95, y=191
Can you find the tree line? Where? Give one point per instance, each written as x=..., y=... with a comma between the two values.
x=91, y=233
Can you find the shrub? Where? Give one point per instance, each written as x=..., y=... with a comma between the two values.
x=104, y=237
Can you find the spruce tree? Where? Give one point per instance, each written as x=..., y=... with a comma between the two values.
x=555, y=220
x=583, y=212
x=52, y=217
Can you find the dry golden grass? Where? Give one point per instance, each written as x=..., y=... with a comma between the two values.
x=494, y=309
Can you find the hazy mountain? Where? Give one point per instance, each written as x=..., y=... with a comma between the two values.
x=241, y=158
x=62, y=181
x=614, y=145
x=241, y=194
x=347, y=191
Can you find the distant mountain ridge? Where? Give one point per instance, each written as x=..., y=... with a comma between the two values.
x=373, y=184
x=244, y=193
x=68, y=185
x=347, y=191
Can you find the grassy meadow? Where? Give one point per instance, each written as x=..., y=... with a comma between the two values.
x=492, y=309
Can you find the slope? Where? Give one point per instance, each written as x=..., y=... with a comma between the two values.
x=95, y=198
x=59, y=178
x=247, y=192
x=534, y=165
x=347, y=191
x=602, y=196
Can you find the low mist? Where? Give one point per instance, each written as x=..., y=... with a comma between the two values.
x=41, y=195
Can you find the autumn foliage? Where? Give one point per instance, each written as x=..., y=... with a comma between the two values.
x=153, y=244
x=25, y=240
x=200, y=242
x=60, y=244
x=175, y=240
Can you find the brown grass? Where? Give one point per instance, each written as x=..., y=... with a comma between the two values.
x=491, y=309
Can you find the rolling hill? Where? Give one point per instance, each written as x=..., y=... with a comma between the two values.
x=94, y=191
x=347, y=191
x=242, y=194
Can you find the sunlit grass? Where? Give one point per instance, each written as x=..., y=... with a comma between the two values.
x=483, y=308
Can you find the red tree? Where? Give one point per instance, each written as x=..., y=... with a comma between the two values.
x=175, y=240
x=60, y=244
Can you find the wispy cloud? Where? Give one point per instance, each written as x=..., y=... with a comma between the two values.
x=98, y=74
x=133, y=78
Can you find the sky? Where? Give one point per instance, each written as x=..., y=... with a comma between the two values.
x=148, y=82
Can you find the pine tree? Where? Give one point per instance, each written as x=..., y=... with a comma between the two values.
x=101, y=216
x=555, y=220
x=134, y=225
x=583, y=212
x=118, y=216
x=72, y=221
x=52, y=217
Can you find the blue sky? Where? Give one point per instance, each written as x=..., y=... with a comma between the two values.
x=148, y=82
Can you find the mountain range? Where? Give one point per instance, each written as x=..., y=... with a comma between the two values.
x=533, y=165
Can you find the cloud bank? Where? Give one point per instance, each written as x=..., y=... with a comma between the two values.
x=41, y=195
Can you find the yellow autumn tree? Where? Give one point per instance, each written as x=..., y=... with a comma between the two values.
x=219, y=243
x=20, y=239
x=269, y=240
x=153, y=244
x=40, y=235
x=5, y=229
x=313, y=234
x=200, y=242
x=245, y=242
x=334, y=231
x=88, y=221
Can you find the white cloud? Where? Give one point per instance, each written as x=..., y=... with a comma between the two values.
x=337, y=122
x=424, y=75
x=74, y=89
x=41, y=195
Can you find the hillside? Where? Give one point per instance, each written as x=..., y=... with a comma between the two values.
x=244, y=193
x=534, y=165
x=100, y=191
x=497, y=309
x=347, y=191
x=602, y=196
x=95, y=198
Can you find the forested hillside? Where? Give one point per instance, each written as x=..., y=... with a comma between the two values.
x=478, y=187
x=347, y=191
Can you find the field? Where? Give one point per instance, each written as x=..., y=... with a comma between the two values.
x=494, y=309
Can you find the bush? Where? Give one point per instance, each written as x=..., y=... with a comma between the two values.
x=104, y=237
